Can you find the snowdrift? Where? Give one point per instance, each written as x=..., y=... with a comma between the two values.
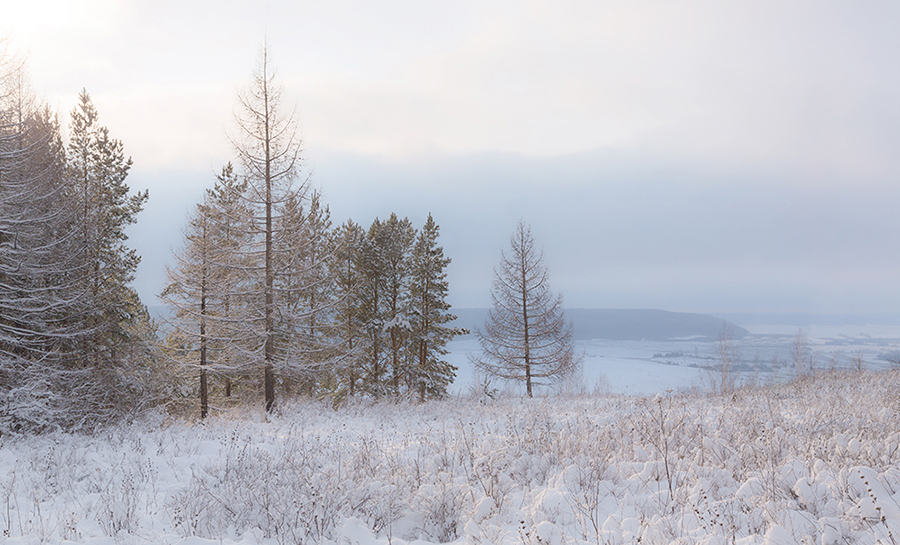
x=812, y=461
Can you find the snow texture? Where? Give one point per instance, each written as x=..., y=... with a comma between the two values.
x=808, y=461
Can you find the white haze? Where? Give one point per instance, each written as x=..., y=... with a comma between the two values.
x=618, y=232
x=691, y=156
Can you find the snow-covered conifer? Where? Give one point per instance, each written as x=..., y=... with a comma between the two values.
x=305, y=282
x=349, y=325
x=396, y=238
x=73, y=334
x=97, y=168
x=428, y=316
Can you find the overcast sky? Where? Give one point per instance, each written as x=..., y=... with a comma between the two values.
x=686, y=155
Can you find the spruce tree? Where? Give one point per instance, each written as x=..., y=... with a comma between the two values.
x=73, y=334
x=36, y=259
x=39, y=297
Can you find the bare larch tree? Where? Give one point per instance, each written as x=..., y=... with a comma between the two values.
x=269, y=149
x=525, y=337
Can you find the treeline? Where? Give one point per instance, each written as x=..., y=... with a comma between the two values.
x=269, y=296
x=357, y=311
x=75, y=340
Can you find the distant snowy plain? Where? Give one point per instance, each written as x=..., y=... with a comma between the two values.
x=786, y=461
x=650, y=367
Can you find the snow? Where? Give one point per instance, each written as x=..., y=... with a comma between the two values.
x=398, y=322
x=770, y=465
x=650, y=367
x=808, y=461
x=615, y=366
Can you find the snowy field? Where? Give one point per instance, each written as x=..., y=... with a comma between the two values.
x=784, y=462
x=814, y=461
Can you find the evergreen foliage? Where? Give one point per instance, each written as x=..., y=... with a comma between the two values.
x=429, y=334
x=97, y=169
x=275, y=287
x=349, y=317
x=263, y=281
x=360, y=312
x=75, y=341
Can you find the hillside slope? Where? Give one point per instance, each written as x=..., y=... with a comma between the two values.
x=811, y=461
x=628, y=325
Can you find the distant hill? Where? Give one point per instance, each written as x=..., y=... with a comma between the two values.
x=627, y=325
x=611, y=324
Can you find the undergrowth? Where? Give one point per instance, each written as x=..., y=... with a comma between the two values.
x=815, y=460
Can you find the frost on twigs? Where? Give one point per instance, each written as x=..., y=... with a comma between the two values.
x=526, y=337
x=816, y=464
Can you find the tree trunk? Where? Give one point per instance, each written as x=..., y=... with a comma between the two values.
x=270, y=271
x=204, y=397
x=525, y=328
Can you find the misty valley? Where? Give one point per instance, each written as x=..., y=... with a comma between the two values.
x=659, y=351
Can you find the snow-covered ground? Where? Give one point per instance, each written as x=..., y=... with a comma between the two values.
x=814, y=461
x=609, y=366
x=789, y=461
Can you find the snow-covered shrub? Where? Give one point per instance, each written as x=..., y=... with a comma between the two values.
x=814, y=460
x=442, y=505
x=290, y=490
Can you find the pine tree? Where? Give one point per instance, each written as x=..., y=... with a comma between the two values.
x=526, y=337
x=428, y=291
x=396, y=239
x=384, y=273
x=347, y=271
x=97, y=171
x=373, y=308
x=305, y=281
